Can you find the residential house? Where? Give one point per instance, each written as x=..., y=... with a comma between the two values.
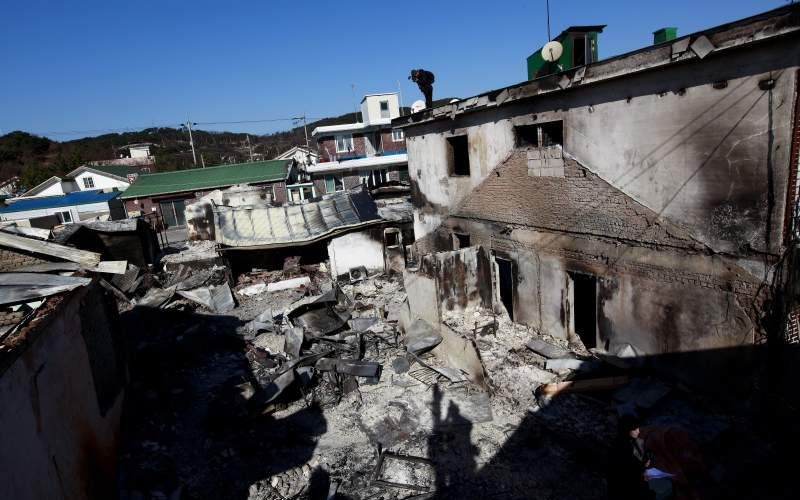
x=49, y=211
x=367, y=152
x=302, y=155
x=87, y=178
x=645, y=201
x=167, y=193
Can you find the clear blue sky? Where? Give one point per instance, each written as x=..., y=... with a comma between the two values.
x=88, y=65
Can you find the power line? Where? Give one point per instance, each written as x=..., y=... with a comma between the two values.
x=134, y=128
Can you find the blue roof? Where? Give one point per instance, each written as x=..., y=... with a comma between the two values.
x=64, y=200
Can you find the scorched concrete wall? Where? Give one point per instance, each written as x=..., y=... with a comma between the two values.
x=59, y=441
x=704, y=143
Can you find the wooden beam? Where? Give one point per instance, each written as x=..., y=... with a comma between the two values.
x=83, y=257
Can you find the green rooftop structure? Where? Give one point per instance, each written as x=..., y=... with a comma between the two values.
x=580, y=48
x=198, y=179
x=664, y=35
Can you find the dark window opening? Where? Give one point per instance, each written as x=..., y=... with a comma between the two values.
x=458, y=153
x=585, y=308
x=552, y=134
x=579, y=51
x=460, y=240
x=392, y=238
x=540, y=134
x=527, y=135
x=505, y=280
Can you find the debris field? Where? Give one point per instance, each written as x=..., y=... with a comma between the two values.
x=291, y=384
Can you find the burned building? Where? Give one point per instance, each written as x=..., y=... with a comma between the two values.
x=646, y=199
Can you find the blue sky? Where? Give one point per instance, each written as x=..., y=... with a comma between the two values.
x=90, y=66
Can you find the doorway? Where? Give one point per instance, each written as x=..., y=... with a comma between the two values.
x=584, y=307
x=505, y=281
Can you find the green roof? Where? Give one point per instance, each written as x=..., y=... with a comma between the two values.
x=207, y=178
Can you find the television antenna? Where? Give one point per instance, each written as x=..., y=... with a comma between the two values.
x=552, y=50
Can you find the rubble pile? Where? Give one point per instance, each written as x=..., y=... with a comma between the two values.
x=310, y=385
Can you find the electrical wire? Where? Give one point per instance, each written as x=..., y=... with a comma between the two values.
x=169, y=125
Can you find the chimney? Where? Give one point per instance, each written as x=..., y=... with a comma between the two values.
x=664, y=35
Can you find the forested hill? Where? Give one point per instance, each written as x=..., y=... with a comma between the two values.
x=36, y=158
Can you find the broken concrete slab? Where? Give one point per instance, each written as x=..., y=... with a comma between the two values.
x=423, y=297
x=271, y=342
x=461, y=354
x=702, y=46
x=421, y=337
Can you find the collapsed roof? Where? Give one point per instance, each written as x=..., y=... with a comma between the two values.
x=268, y=226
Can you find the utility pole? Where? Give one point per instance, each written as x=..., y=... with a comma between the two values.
x=249, y=146
x=202, y=160
x=355, y=107
x=188, y=125
x=305, y=127
x=400, y=96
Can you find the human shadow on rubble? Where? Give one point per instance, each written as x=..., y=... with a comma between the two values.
x=740, y=405
x=191, y=421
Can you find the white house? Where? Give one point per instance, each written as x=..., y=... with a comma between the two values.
x=67, y=208
x=301, y=154
x=86, y=178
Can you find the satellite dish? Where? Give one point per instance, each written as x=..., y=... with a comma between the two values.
x=552, y=51
x=417, y=106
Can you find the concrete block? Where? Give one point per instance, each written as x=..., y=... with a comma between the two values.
x=702, y=46
x=423, y=298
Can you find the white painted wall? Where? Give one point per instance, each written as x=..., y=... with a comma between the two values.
x=355, y=250
x=56, y=189
x=74, y=210
x=489, y=144
x=140, y=151
x=371, y=108
x=100, y=182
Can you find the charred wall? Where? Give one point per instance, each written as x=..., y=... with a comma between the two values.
x=703, y=143
x=61, y=392
x=656, y=299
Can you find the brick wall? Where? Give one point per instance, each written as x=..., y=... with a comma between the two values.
x=579, y=202
x=327, y=147
x=11, y=259
x=389, y=144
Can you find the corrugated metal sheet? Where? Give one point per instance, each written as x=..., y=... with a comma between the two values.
x=246, y=226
